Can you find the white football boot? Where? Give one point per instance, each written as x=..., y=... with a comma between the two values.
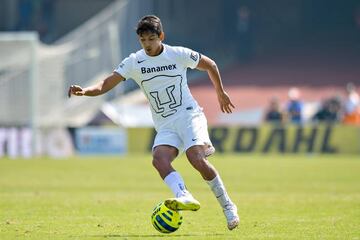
x=232, y=217
x=186, y=202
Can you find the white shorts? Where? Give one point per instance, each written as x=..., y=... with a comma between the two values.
x=186, y=131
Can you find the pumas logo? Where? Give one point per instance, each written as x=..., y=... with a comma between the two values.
x=158, y=69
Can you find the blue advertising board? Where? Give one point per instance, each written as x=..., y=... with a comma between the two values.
x=101, y=140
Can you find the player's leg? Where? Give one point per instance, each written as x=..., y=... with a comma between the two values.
x=198, y=147
x=163, y=155
x=165, y=150
x=197, y=158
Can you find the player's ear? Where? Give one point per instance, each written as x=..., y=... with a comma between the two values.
x=162, y=36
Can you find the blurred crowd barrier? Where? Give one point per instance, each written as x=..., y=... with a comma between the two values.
x=18, y=143
x=62, y=142
x=267, y=138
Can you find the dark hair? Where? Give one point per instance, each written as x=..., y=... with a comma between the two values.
x=149, y=23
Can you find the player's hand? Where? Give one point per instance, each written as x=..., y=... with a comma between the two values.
x=75, y=90
x=225, y=102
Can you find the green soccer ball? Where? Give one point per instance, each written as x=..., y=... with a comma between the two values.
x=164, y=219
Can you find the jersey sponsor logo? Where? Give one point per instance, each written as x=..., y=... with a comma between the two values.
x=194, y=56
x=140, y=61
x=158, y=69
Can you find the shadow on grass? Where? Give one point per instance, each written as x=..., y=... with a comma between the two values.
x=154, y=235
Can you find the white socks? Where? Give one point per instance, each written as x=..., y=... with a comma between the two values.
x=176, y=184
x=219, y=191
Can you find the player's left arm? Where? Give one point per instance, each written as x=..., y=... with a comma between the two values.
x=207, y=64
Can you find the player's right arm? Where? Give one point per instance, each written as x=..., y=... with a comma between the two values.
x=100, y=88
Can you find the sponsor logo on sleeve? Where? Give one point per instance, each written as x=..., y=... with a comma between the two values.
x=194, y=56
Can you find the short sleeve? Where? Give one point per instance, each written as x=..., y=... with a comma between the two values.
x=125, y=68
x=190, y=58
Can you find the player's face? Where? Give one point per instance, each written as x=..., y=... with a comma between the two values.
x=151, y=43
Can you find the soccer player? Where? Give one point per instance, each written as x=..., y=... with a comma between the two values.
x=160, y=71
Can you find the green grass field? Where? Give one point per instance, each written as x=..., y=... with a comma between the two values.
x=278, y=196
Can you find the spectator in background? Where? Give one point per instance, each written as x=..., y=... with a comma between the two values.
x=244, y=34
x=352, y=100
x=25, y=11
x=329, y=111
x=46, y=25
x=273, y=113
x=294, y=106
x=351, y=105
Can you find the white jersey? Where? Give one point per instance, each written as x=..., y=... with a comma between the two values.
x=163, y=80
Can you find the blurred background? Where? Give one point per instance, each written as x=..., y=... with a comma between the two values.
x=290, y=67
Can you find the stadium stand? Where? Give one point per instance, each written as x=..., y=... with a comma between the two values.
x=319, y=65
x=81, y=57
